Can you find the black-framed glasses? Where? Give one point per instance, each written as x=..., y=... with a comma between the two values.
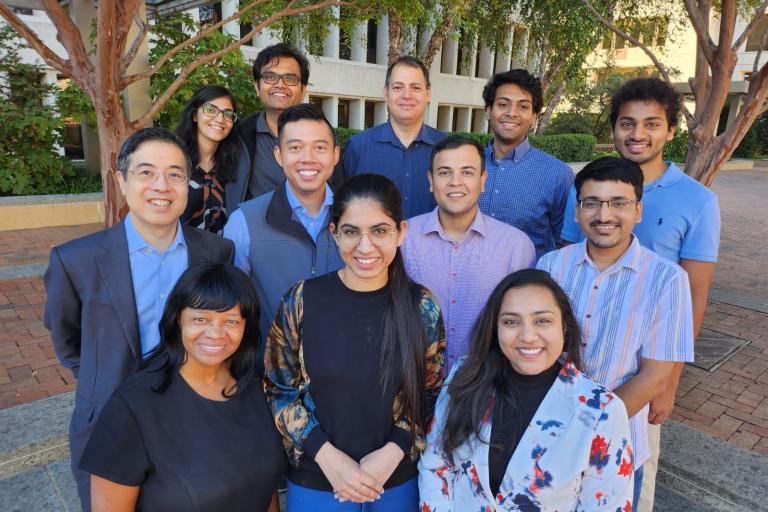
x=613, y=204
x=174, y=177
x=212, y=111
x=272, y=78
x=380, y=236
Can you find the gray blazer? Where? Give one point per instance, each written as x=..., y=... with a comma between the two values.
x=91, y=313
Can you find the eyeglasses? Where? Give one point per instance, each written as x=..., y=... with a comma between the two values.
x=150, y=176
x=272, y=78
x=613, y=204
x=350, y=238
x=212, y=111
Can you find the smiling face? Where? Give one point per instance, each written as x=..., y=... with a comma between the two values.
x=307, y=153
x=366, y=263
x=278, y=97
x=456, y=180
x=606, y=229
x=511, y=115
x=407, y=95
x=530, y=329
x=211, y=337
x=641, y=131
x=156, y=204
x=214, y=129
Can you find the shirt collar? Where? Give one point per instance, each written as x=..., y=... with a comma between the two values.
x=630, y=259
x=432, y=225
x=295, y=204
x=387, y=134
x=261, y=124
x=668, y=178
x=136, y=242
x=515, y=154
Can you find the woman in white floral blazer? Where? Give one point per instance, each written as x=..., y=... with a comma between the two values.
x=517, y=429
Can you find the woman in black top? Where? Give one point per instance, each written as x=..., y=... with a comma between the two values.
x=354, y=363
x=192, y=430
x=206, y=129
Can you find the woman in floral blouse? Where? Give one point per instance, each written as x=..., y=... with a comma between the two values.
x=517, y=429
x=354, y=364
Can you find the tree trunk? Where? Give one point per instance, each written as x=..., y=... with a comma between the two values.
x=113, y=131
x=546, y=116
x=396, y=33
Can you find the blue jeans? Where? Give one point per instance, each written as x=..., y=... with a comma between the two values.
x=403, y=498
x=638, y=487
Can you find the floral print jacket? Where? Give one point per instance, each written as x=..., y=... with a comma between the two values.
x=287, y=384
x=575, y=455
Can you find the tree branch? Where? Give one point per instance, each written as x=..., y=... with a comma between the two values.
x=760, y=13
x=700, y=26
x=192, y=66
x=441, y=31
x=70, y=37
x=763, y=43
x=134, y=49
x=48, y=55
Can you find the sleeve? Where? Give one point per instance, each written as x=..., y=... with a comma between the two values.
x=115, y=450
x=351, y=158
x=337, y=178
x=670, y=337
x=571, y=231
x=545, y=262
x=436, y=474
x=236, y=230
x=435, y=361
x=607, y=484
x=527, y=254
x=286, y=384
x=702, y=241
x=559, y=203
x=62, y=313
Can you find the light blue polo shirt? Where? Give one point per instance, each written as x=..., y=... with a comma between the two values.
x=681, y=218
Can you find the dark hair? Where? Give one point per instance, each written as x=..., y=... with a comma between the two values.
x=300, y=112
x=454, y=142
x=139, y=137
x=521, y=78
x=611, y=168
x=409, y=61
x=225, y=158
x=647, y=89
x=403, y=340
x=215, y=287
x=486, y=371
x=276, y=51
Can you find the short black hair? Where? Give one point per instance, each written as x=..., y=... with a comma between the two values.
x=137, y=138
x=454, y=142
x=611, y=168
x=300, y=112
x=276, y=51
x=520, y=77
x=407, y=60
x=647, y=89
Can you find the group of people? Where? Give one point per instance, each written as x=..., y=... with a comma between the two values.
x=416, y=322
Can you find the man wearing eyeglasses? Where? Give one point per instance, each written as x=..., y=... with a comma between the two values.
x=633, y=305
x=106, y=291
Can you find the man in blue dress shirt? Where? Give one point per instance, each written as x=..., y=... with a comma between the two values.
x=401, y=148
x=526, y=187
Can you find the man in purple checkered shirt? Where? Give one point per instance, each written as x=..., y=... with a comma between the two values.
x=456, y=251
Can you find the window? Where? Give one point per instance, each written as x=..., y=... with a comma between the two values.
x=370, y=112
x=342, y=120
x=370, y=56
x=210, y=14
x=23, y=10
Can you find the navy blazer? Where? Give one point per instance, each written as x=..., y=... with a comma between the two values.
x=91, y=313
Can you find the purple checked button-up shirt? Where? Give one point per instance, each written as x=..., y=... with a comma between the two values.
x=463, y=274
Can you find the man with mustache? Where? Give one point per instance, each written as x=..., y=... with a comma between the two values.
x=633, y=305
x=682, y=217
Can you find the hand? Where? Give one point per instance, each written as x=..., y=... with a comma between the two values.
x=348, y=479
x=381, y=463
x=661, y=406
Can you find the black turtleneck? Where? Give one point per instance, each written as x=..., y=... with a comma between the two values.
x=513, y=410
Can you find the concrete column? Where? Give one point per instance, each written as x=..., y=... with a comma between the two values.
x=520, y=56
x=228, y=8
x=534, y=55
x=411, y=42
x=463, y=119
x=265, y=38
x=331, y=43
x=479, y=121
x=136, y=98
x=357, y=114
x=445, y=118
x=486, y=62
x=331, y=110
x=504, y=55
x=50, y=78
x=467, y=68
x=359, y=42
x=195, y=13
x=380, y=114
x=431, y=113
x=382, y=41
x=449, y=56
x=82, y=13
x=734, y=108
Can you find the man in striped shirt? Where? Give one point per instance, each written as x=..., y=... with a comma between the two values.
x=634, y=306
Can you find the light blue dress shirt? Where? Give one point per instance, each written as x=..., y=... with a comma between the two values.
x=313, y=225
x=154, y=275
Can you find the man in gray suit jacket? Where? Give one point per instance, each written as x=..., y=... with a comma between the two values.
x=106, y=291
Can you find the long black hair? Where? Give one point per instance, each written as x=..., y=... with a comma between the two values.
x=225, y=159
x=215, y=287
x=486, y=369
x=404, y=339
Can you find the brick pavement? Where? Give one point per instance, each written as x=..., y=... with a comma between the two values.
x=27, y=246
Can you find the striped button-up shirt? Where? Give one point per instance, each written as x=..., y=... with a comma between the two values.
x=638, y=307
x=463, y=274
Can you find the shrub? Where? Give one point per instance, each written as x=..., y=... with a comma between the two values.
x=343, y=135
x=569, y=147
x=677, y=149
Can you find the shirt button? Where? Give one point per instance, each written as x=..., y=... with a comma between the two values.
x=407, y=175
x=454, y=274
x=493, y=214
x=453, y=329
x=589, y=316
x=595, y=287
x=453, y=301
x=496, y=191
x=162, y=295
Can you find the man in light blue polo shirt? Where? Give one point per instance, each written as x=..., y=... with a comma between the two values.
x=681, y=217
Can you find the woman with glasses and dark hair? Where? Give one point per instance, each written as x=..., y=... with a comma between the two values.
x=206, y=129
x=192, y=430
x=518, y=426
x=354, y=363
